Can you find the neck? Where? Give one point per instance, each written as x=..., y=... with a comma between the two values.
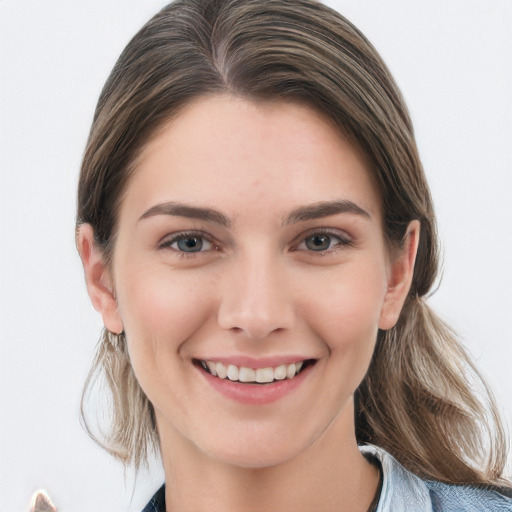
x=329, y=475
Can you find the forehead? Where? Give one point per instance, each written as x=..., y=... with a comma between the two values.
x=229, y=152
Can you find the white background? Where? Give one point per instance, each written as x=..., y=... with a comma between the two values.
x=452, y=59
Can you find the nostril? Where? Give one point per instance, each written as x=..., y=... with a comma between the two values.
x=255, y=302
x=254, y=324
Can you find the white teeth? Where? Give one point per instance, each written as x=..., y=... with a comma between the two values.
x=246, y=374
x=221, y=371
x=264, y=375
x=211, y=366
x=280, y=372
x=260, y=375
x=233, y=372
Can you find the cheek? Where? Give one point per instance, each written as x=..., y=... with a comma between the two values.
x=161, y=308
x=346, y=313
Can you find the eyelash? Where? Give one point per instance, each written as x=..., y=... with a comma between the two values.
x=184, y=235
x=343, y=240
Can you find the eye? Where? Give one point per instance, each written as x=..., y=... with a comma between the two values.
x=322, y=242
x=189, y=243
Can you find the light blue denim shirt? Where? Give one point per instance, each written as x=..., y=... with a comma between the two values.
x=402, y=491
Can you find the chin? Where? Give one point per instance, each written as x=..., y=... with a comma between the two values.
x=250, y=459
x=258, y=450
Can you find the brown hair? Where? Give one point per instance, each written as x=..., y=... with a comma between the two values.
x=422, y=399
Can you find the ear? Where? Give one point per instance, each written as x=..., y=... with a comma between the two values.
x=98, y=279
x=400, y=277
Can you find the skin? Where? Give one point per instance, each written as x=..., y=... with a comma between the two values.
x=256, y=289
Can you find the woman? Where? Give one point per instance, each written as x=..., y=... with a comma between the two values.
x=258, y=235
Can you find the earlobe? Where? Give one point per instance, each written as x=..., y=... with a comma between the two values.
x=98, y=280
x=400, y=278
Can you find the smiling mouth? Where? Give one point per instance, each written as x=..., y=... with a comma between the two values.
x=247, y=375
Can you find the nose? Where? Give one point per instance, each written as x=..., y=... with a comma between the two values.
x=255, y=298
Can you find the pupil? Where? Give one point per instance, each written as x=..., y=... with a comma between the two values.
x=318, y=242
x=191, y=244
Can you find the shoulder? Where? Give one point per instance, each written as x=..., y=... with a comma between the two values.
x=466, y=498
x=403, y=491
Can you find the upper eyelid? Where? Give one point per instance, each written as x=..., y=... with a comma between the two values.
x=339, y=233
x=171, y=238
x=345, y=240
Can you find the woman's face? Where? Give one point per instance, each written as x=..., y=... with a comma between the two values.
x=250, y=243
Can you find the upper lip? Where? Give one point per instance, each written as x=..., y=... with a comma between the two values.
x=251, y=362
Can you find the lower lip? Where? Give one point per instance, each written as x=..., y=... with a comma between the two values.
x=255, y=394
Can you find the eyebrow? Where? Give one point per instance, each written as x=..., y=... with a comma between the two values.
x=325, y=209
x=185, y=210
x=301, y=214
